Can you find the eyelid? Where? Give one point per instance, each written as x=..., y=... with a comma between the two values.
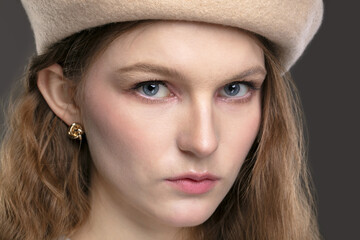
x=149, y=99
x=252, y=88
x=252, y=85
x=140, y=84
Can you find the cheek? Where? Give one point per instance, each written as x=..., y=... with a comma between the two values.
x=244, y=131
x=117, y=131
x=239, y=130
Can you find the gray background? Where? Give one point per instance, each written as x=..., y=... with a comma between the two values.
x=328, y=78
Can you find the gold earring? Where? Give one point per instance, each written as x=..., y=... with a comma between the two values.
x=76, y=131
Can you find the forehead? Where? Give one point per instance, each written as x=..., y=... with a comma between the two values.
x=187, y=46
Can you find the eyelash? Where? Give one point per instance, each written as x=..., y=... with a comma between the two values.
x=136, y=86
x=252, y=88
x=250, y=84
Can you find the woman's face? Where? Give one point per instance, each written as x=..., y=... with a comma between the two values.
x=170, y=111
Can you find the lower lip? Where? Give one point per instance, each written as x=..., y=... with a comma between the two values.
x=193, y=187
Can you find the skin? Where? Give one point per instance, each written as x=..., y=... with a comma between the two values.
x=191, y=125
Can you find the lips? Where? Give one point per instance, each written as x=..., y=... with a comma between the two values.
x=192, y=183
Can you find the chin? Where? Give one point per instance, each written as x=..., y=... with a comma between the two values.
x=189, y=217
x=187, y=222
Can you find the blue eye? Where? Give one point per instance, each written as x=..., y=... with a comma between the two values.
x=150, y=89
x=155, y=89
x=235, y=89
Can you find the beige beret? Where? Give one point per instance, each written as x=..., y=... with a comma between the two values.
x=288, y=24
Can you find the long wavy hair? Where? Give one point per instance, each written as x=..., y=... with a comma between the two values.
x=44, y=178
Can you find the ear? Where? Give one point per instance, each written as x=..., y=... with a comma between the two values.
x=56, y=90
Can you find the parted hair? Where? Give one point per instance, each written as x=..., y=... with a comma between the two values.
x=45, y=176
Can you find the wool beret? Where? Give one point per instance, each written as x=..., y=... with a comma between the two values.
x=288, y=24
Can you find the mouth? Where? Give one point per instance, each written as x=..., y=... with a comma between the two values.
x=193, y=183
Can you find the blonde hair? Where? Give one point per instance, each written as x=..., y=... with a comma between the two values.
x=44, y=179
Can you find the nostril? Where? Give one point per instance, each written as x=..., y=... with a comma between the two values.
x=199, y=144
x=205, y=149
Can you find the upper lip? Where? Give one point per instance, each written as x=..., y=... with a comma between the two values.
x=195, y=177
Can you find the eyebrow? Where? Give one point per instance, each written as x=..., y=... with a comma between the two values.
x=170, y=72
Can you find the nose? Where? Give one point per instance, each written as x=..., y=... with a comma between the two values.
x=197, y=134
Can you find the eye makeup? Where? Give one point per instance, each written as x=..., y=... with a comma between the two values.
x=138, y=91
x=167, y=94
x=250, y=87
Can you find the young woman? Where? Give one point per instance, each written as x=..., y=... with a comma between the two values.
x=186, y=126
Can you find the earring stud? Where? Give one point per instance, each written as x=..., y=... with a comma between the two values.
x=76, y=131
